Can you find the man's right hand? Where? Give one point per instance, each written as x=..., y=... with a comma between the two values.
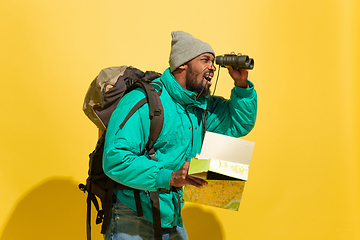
x=180, y=177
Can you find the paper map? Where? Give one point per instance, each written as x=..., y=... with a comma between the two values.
x=218, y=193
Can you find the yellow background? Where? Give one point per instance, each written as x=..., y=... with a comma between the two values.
x=304, y=176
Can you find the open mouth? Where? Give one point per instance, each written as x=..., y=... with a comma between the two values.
x=208, y=76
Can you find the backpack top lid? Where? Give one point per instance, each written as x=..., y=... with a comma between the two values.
x=97, y=88
x=107, y=89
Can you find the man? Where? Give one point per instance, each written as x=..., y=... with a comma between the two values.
x=185, y=98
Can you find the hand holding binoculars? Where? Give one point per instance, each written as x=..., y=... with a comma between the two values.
x=242, y=61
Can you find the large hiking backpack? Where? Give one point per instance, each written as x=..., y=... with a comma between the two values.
x=103, y=95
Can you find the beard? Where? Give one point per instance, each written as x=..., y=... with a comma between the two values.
x=193, y=84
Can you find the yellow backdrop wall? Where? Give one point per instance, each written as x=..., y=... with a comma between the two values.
x=304, y=180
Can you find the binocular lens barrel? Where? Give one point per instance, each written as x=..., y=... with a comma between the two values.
x=242, y=61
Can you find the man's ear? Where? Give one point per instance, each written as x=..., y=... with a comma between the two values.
x=183, y=67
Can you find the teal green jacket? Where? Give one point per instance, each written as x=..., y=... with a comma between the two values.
x=179, y=141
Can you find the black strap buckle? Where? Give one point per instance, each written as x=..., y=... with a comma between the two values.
x=100, y=217
x=82, y=187
x=172, y=189
x=157, y=112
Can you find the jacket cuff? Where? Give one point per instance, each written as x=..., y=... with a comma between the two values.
x=244, y=92
x=163, y=179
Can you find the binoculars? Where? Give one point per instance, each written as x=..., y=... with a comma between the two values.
x=242, y=61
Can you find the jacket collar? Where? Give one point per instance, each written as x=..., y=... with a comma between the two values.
x=179, y=94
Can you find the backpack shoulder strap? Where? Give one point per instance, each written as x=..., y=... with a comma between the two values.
x=156, y=113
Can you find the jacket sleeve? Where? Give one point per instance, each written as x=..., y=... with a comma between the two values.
x=236, y=116
x=124, y=159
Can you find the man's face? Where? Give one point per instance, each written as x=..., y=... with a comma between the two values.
x=199, y=74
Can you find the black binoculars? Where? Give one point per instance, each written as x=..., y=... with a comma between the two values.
x=242, y=61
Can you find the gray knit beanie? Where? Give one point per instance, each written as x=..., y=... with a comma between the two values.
x=184, y=47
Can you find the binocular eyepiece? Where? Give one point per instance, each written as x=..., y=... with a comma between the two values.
x=242, y=61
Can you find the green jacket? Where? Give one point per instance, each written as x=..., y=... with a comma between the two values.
x=179, y=141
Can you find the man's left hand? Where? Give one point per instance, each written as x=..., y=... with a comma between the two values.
x=239, y=75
